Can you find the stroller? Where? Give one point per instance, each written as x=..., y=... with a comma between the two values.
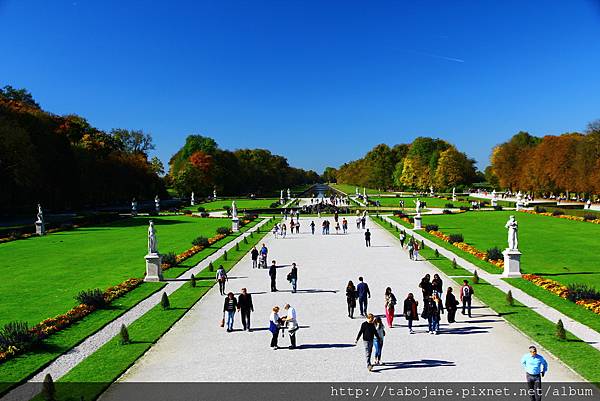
x=262, y=262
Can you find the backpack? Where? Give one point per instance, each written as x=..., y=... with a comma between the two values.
x=466, y=291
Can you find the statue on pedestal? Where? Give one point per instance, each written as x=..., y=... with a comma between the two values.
x=214, y=194
x=453, y=193
x=431, y=190
x=157, y=204
x=513, y=236
x=233, y=210
x=289, y=194
x=134, y=207
x=418, y=206
x=192, y=201
x=152, y=242
x=40, y=214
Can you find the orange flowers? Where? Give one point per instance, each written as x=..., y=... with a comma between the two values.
x=562, y=216
x=562, y=291
x=468, y=248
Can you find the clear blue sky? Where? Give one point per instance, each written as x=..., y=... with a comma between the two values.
x=320, y=82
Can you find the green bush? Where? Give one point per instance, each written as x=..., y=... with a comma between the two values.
x=16, y=334
x=245, y=240
x=465, y=208
x=211, y=268
x=578, y=291
x=539, y=209
x=223, y=230
x=169, y=258
x=452, y=238
x=224, y=255
x=449, y=205
x=558, y=213
x=475, y=277
x=561, y=333
x=93, y=297
x=124, y=334
x=431, y=227
x=447, y=211
x=437, y=253
x=454, y=265
x=494, y=254
x=498, y=208
x=237, y=246
x=422, y=244
x=589, y=216
x=200, y=241
x=201, y=209
x=509, y=298
x=164, y=301
x=48, y=388
x=193, y=281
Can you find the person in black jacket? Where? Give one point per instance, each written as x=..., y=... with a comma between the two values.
x=351, y=296
x=245, y=306
x=437, y=285
x=410, y=311
x=293, y=277
x=426, y=287
x=368, y=333
x=368, y=238
x=451, y=305
x=254, y=254
x=229, y=308
x=273, y=275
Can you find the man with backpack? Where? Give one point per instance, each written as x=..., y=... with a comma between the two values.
x=221, y=277
x=466, y=293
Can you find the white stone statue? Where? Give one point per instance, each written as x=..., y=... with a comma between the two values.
x=134, y=207
x=289, y=194
x=40, y=214
x=192, y=201
x=589, y=204
x=152, y=242
x=281, y=194
x=233, y=211
x=157, y=203
x=418, y=206
x=356, y=190
x=513, y=236
x=214, y=194
x=431, y=190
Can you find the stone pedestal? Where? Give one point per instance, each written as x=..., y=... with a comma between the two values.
x=418, y=222
x=453, y=198
x=39, y=228
x=153, y=267
x=494, y=202
x=235, y=225
x=512, y=263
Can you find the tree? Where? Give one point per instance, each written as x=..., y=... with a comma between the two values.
x=329, y=174
x=454, y=168
x=19, y=95
x=157, y=165
x=134, y=141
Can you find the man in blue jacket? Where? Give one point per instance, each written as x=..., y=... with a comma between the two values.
x=363, y=293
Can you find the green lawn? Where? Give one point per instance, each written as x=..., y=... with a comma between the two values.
x=562, y=250
x=42, y=275
x=409, y=202
x=351, y=189
x=241, y=204
x=581, y=357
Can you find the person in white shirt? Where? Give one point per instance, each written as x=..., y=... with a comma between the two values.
x=292, y=324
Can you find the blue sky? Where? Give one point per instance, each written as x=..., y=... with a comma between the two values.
x=320, y=82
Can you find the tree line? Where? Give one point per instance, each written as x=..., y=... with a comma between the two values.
x=201, y=166
x=424, y=163
x=63, y=162
x=552, y=164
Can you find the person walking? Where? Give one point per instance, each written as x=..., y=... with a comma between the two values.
x=291, y=324
x=451, y=305
x=425, y=287
x=344, y=225
x=229, y=308
x=297, y=225
x=466, y=293
x=364, y=294
x=437, y=285
x=351, y=298
x=273, y=276
x=411, y=249
x=283, y=230
x=264, y=252
x=368, y=238
x=535, y=368
x=415, y=250
x=390, y=305
x=324, y=226
x=337, y=227
x=402, y=238
x=358, y=221
x=431, y=313
x=410, y=311
x=274, y=326
x=254, y=254
x=368, y=333
x=293, y=277
x=221, y=277
x=363, y=222
x=275, y=230
x=312, y=227
x=377, y=342
x=245, y=307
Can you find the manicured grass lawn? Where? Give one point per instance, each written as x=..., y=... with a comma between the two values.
x=241, y=204
x=351, y=189
x=409, y=202
x=42, y=275
x=562, y=250
x=581, y=357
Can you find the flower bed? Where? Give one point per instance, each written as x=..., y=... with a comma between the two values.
x=54, y=324
x=562, y=291
x=562, y=216
x=468, y=248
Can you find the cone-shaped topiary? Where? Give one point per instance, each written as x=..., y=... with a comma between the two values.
x=561, y=333
x=475, y=277
x=509, y=298
x=164, y=301
x=224, y=255
x=245, y=240
x=211, y=268
x=193, y=280
x=48, y=388
x=396, y=228
x=454, y=266
x=237, y=246
x=422, y=244
x=437, y=254
x=124, y=333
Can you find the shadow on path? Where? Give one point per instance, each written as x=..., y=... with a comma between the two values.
x=319, y=346
x=311, y=291
x=423, y=363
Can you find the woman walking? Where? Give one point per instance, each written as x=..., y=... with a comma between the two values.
x=351, y=296
x=410, y=311
x=416, y=250
x=390, y=304
x=451, y=305
x=378, y=341
x=221, y=277
x=229, y=308
x=274, y=325
x=283, y=230
x=425, y=287
x=411, y=248
x=368, y=333
x=437, y=284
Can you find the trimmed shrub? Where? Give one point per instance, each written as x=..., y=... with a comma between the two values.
x=15, y=234
x=169, y=258
x=223, y=230
x=164, y=301
x=245, y=240
x=274, y=205
x=124, y=334
x=589, y=216
x=200, y=241
x=204, y=214
x=498, y=208
x=465, y=208
x=48, y=388
x=454, y=265
x=211, y=268
x=561, y=333
x=452, y=238
x=422, y=244
x=509, y=298
x=494, y=254
x=539, y=209
x=396, y=228
x=475, y=277
x=93, y=297
x=449, y=205
x=558, y=213
x=187, y=212
x=16, y=334
x=431, y=227
x=201, y=209
x=447, y=211
x=193, y=281
x=437, y=254
x=577, y=291
x=224, y=255
x=237, y=246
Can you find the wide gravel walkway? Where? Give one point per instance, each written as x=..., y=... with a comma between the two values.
x=482, y=348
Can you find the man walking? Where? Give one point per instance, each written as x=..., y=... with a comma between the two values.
x=245, y=306
x=368, y=332
x=273, y=275
x=402, y=238
x=466, y=292
x=291, y=323
x=368, y=237
x=535, y=368
x=254, y=254
x=293, y=277
x=363, y=294
x=312, y=227
x=221, y=277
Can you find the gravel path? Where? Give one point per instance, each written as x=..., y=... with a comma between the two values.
x=70, y=359
x=464, y=351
